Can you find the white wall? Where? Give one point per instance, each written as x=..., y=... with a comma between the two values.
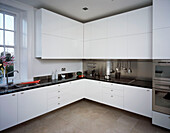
x=29, y=65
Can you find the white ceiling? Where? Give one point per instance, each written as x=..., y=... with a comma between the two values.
x=97, y=8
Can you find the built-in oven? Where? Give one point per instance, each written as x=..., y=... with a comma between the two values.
x=161, y=86
x=161, y=70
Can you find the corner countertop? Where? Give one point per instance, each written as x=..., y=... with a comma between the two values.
x=138, y=83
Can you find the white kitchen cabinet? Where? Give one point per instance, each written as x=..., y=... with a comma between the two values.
x=139, y=46
x=95, y=49
x=161, y=45
x=161, y=15
x=67, y=48
x=138, y=100
x=77, y=90
x=139, y=21
x=93, y=90
x=31, y=103
x=161, y=119
x=58, y=37
x=113, y=94
x=116, y=48
x=161, y=29
x=117, y=25
x=8, y=110
x=63, y=94
x=96, y=30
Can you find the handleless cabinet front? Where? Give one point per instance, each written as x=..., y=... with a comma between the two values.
x=138, y=100
x=8, y=110
x=31, y=103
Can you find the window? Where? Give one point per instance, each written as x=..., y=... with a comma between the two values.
x=7, y=41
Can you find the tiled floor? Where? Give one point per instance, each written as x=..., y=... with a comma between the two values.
x=88, y=117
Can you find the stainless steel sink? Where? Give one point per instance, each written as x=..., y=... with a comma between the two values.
x=15, y=86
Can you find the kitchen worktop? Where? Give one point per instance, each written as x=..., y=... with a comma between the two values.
x=125, y=81
x=131, y=82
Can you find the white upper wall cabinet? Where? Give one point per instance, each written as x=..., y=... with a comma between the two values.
x=96, y=49
x=139, y=21
x=117, y=48
x=139, y=46
x=161, y=43
x=96, y=29
x=58, y=37
x=161, y=29
x=117, y=25
x=123, y=36
x=161, y=14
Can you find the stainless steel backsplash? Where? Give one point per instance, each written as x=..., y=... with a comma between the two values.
x=141, y=69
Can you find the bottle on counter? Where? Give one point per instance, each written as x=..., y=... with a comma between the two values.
x=53, y=76
x=56, y=75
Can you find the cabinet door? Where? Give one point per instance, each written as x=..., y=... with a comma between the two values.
x=117, y=48
x=96, y=30
x=139, y=21
x=51, y=23
x=8, y=111
x=161, y=45
x=77, y=91
x=31, y=103
x=138, y=100
x=117, y=25
x=72, y=29
x=161, y=15
x=99, y=29
x=54, y=47
x=139, y=46
x=93, y=91
x=95, y=49
x=112, y=94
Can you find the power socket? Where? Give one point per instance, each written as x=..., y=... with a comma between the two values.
x=63, y=69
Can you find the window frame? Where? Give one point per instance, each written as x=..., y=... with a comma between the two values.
x=16, y=32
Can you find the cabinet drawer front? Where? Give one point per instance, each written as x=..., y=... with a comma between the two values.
x=113, y=91
x=113, y=100
x=161, y=119
x=52, y=101
x=52, y=94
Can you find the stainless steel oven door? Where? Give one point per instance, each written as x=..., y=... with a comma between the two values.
x=161, y=100
x=161, y=70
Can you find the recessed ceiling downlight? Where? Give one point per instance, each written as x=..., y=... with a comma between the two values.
x=85, y=8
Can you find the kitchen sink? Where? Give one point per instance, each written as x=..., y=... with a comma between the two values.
x=15, y=86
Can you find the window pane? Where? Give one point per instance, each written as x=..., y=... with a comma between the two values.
x=1, y=51
x=1, y=20
x=9, y=52
x=9, y=22
x=1, y=37
x=9, y=38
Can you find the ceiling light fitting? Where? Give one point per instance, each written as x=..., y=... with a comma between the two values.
x=85, y=8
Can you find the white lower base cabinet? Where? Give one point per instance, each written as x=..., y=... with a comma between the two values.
x=112, y=94
x=8, y=111
x=31, y=103
x=93, y=90
x=18, y=107
x=138, y=100
x=161, y=119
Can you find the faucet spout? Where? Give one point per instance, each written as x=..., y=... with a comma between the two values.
x=10, y=73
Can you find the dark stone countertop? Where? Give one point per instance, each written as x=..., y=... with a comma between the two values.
x=138, y=83
x=125, y=81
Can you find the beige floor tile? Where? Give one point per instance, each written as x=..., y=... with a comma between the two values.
x=127, y=121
